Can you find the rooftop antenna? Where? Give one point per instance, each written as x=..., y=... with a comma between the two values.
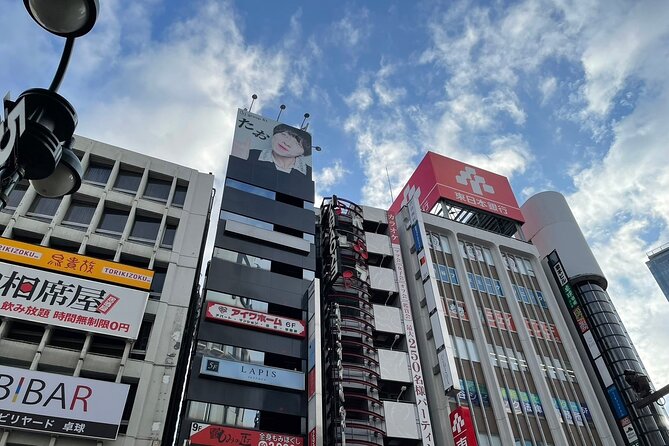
x=253, y=99
x=282, y=107
x=390, y=187
x=302, y=126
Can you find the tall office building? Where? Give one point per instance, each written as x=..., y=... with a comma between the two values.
x=95, y=291
x=658, y=263
x=248, y=378
x=596, y=328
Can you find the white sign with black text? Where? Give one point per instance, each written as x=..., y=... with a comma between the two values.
x=244, y=371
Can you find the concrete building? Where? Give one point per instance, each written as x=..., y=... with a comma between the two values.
x=247, y=382
x=135, y=217
x=658, y=263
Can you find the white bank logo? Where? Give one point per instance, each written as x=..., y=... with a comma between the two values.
x=476, y=182
x=458, y=424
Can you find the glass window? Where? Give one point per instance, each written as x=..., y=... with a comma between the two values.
x=128, y=181
x=255, y=190
x=225, y=215
x=142, y=342
x=44, y=208
x=244, y=259
x=179, y=195
x=145, y=229
x=79, y=214
x=157, y=189
x=159, y=274
x=98, y=173
x=168, y=236
x=15, y=197
x=113, y=222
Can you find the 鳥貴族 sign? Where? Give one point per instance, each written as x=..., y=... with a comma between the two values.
x=66, y=301
x=213, y=435
x=255, y=319
x=75, y=264
x=440, y=177
x=59, y=404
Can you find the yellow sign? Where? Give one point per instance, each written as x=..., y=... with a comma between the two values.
x=76, y=264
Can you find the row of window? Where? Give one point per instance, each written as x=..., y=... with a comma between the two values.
x=265, y=264
x=128, y=181
x=245, y=418
x=221, y=351
x=266, y=193
x=225, y=215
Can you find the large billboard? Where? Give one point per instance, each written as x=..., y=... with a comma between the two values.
x=65, y=301
x=272, y=145
x=213, y=435
x=61, y=405
x=440, y=177
x=75, y=264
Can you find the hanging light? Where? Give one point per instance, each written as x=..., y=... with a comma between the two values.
x=65, y=18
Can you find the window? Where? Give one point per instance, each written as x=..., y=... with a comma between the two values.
x=145, y=229
x=168, y=236
x=112, y=222
x=159, y=274
x=157, y=189
x=108, y=346
x=79, y=214
x=255, y=190
x=225, y=215
x=127, y=181
x=15, y=197
x=98, y=173
x=179, y=195
x=67, y=338
x=139, y=347
x=25, y=332
x=44, y=208
x=243, y=259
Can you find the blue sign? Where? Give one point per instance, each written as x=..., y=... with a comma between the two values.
x=617, y=404
x=417, y=240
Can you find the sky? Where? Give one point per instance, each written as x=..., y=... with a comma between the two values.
x=565, y=95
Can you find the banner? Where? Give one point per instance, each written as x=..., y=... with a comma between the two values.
x=256, y=319
x=75, y=264
x=61, y=405
x=213, y=435
x=64, y=301
x=254, y=373
x=462, y=427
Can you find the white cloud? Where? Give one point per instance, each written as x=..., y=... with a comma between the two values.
x=352, y=29
x=331, y=175
x=360, y=99
x=547, y=87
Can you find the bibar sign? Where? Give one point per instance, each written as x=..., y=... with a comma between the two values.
x=62, y=405
x=65, y=301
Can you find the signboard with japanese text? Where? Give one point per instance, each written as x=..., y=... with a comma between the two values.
x=462, y=427
x=416, y=370
x=254, y=373
x=271, y=144
x=214, y=435
x=440, y=177
x=255, y=319
x=59, y=404
x=65, y=301
x=75, y=264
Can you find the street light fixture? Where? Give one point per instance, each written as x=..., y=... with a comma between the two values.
x=38, y=127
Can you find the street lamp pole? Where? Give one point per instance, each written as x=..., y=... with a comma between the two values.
x=37, y=129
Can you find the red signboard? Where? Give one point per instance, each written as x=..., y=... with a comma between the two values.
x=311, y=383
x=255, y=319
x=312, y=437
x=213, y=435
x=440, y=177
x=462, y=427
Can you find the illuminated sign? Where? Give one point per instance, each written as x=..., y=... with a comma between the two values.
x=462, y=427
x=440, y=177
x=213, y=435
x=254, y=373
x=255, y=319
x=61, y=405
x=65, y=301
x=75, y=264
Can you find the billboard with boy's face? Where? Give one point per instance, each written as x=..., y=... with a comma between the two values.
x=269, y=143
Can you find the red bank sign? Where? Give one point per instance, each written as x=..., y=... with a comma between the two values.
x=441, y=177
x=462, y=427
x=213, y=435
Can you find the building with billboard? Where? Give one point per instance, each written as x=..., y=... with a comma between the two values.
x=658, y=263
x=257, y=342
x=95, y=291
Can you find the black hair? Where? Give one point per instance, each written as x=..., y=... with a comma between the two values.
x=302, y=137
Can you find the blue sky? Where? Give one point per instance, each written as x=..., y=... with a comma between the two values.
x=567, y=95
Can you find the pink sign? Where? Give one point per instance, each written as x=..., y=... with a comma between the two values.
x=255, y=319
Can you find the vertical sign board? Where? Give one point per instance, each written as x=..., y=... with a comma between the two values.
x=66, y=301
x=425, y=424
x=213, y=435
x=60, y=405
x=314, y=380
x=462, y=427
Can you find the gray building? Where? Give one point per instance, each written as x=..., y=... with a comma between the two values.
x=132, y=213
x=658, y=263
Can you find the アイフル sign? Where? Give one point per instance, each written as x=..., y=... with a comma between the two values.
x=62, y=405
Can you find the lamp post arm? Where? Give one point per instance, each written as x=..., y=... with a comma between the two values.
x=62, y=66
